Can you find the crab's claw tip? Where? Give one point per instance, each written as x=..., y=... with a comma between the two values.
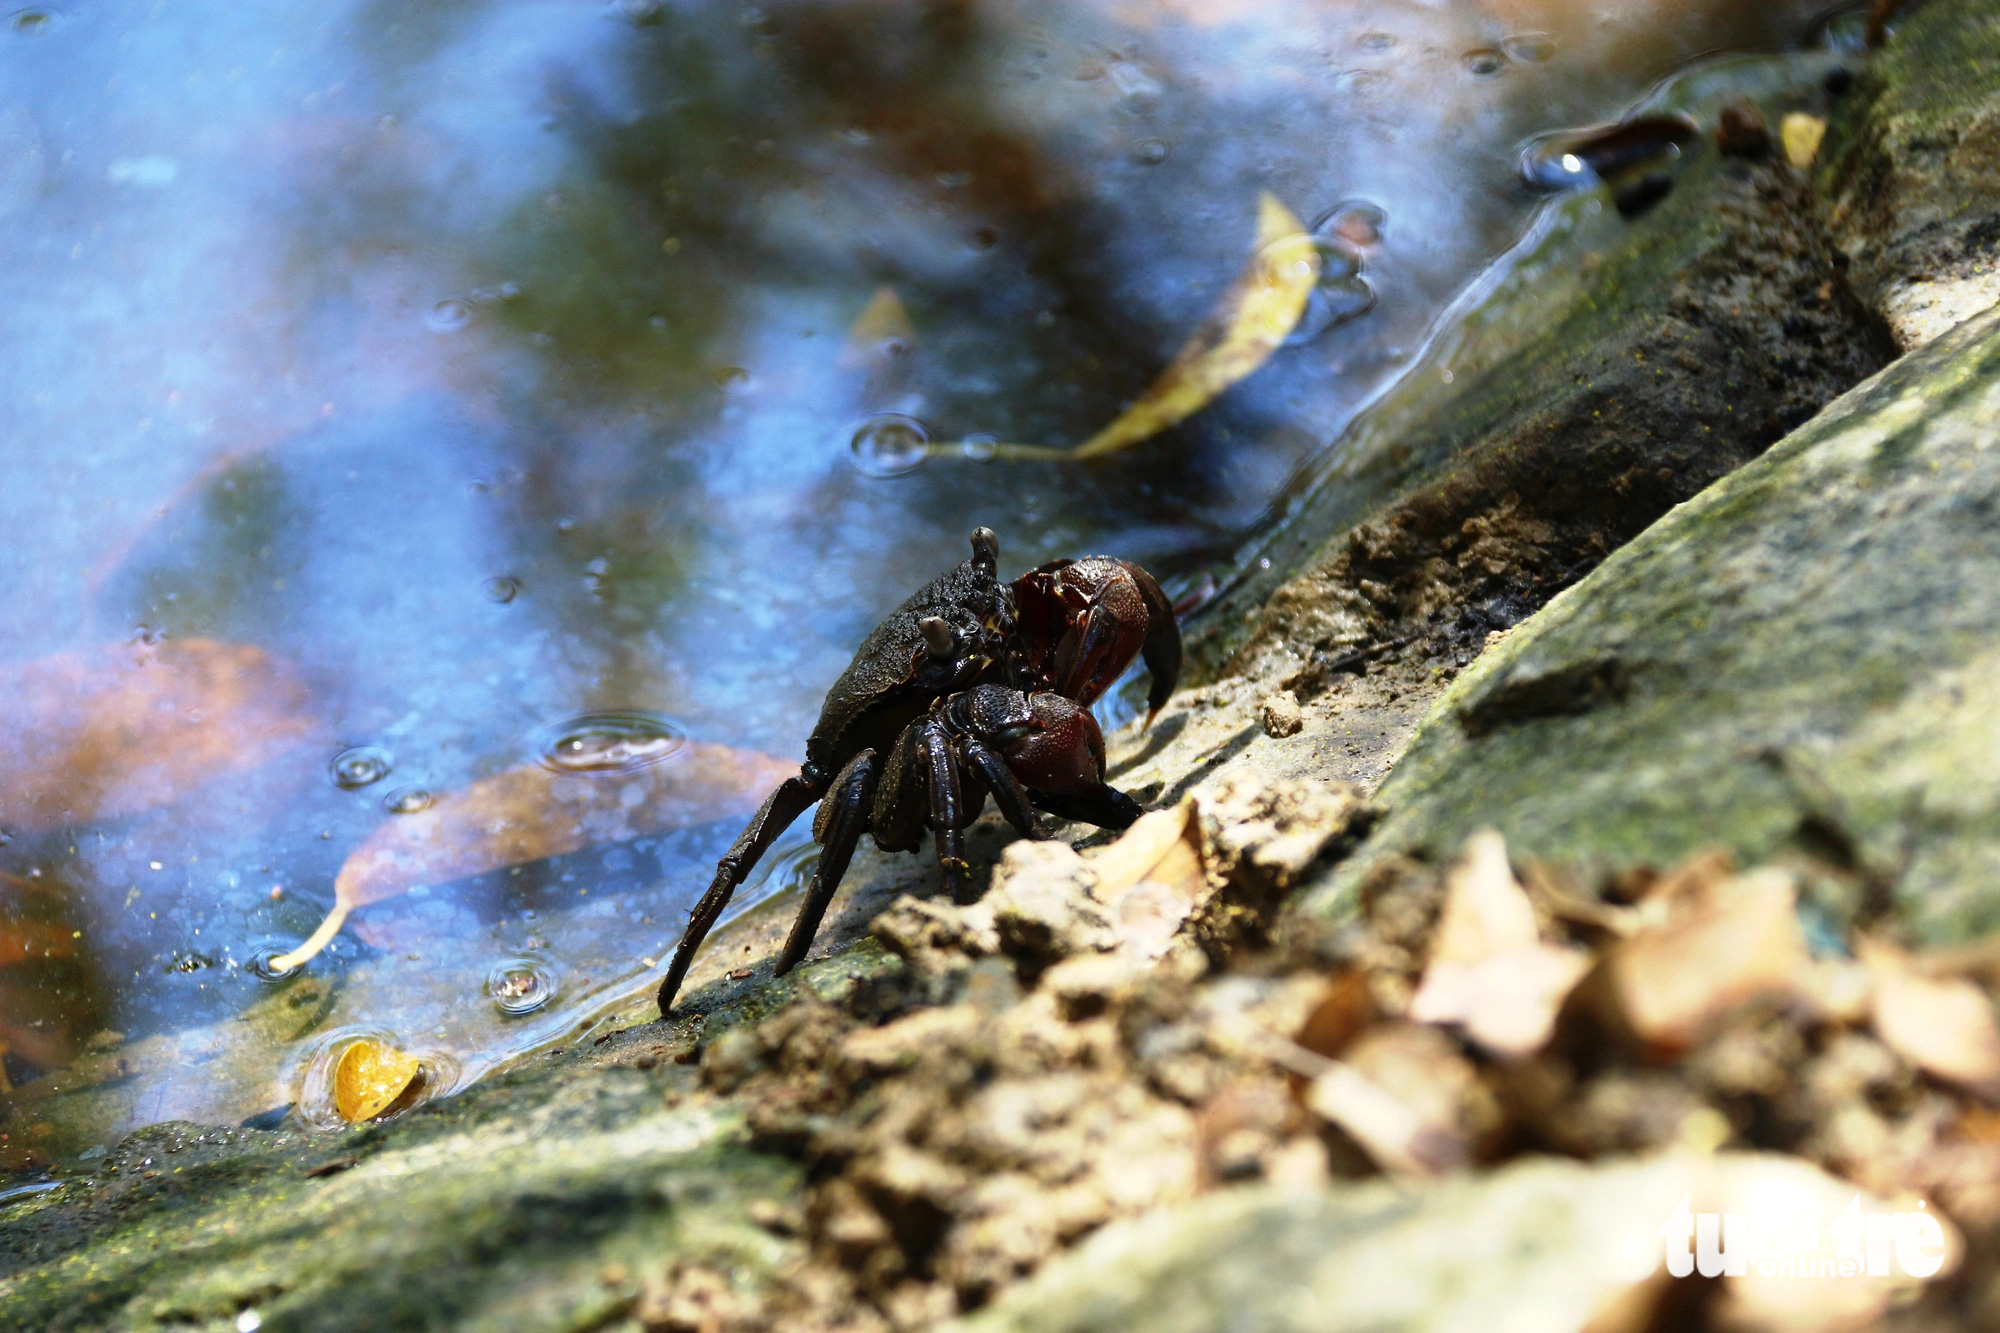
x=1151, y=713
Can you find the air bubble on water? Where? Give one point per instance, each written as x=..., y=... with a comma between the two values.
x=1151, y=152
x=980, y=448
x=1359, y=81
x=1485, y=61
x=1529, y=48
x=609, y=743
x=520, y=985
x=1331, y=303
x=889, y=444
x=258, y=964
x=355, y=768
x=408, y=801
x=503, y=589
x=1356, y=222
x=32, y=22
x=451, y=314
x=1375, y=42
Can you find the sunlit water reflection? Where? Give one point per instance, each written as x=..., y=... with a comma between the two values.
x=403, y=402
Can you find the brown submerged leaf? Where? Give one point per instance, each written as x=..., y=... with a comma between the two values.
x=531, y=813
x=109, y=731
x=369, y=1078
x=23, y=940
x=1253, y=318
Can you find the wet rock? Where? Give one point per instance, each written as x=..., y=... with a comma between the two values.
x=1811, y=648
x=1544, y=1244
x=1910, y=171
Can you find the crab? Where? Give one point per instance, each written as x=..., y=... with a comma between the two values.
x=972, y=688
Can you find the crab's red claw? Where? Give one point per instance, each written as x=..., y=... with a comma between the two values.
x=1087, y=619
x=1066, y=751
x=1162, y=651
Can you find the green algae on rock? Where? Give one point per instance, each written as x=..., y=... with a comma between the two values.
x=1797, y=661
x=1909, y=174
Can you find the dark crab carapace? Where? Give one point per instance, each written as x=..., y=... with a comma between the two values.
x=972, y=688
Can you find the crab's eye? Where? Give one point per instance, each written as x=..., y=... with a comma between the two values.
x=938, y=637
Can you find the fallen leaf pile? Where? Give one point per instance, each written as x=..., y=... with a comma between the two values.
x=1112, y=1031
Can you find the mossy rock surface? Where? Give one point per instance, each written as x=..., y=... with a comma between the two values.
x=535, y=1200
x=1804, y=659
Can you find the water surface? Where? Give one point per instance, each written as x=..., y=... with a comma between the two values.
x=449, y=413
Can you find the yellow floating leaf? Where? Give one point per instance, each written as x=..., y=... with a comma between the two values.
x=1254, y=317
x=531, y=813
x=881, y=325
x=1801, y=135
x=1942, y=1025
x=109, y=731
x=369, y=1078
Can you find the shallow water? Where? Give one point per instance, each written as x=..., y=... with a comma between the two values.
x=387, y=388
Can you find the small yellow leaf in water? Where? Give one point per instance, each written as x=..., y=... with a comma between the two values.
x=1802, y=134
x=369, y=1078
x=1254, y=317
x=883, y=319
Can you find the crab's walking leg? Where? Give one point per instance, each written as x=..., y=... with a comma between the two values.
x=1107, y=807
x=1008, y=793
x=845, y=820
x=780, y=808
x=947, y=802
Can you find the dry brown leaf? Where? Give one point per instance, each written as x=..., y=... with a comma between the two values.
x=1489, y=971
x=1396, y=1137
x=1669, y=984
x=1253, y=319
x=1942, y=1025
x=369, y=1078
x=1161, y=847
x=109, y=731
x=531, y=813
x=1150, y=880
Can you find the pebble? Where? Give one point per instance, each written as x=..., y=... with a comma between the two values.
x=1282, y=715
